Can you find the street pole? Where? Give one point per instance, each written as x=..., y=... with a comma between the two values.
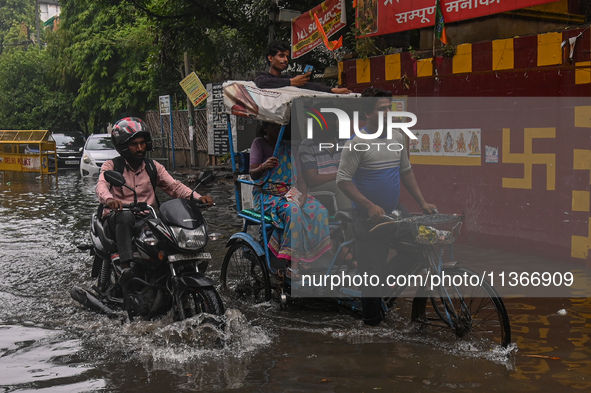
x=190, y=110
x=37, y=22
x=273, y=13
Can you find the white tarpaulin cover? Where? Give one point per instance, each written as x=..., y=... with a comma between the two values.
x=244, y=99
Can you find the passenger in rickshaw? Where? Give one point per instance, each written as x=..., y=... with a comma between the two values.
x=305, y=234
x=320, y=166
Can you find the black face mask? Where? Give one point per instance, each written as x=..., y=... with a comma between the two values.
x=134, y=161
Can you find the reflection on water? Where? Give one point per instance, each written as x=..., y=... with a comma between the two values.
x=49, y=343
x=33, y=357
x=553, y=347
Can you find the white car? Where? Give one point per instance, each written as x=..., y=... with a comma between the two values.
x=97, y=150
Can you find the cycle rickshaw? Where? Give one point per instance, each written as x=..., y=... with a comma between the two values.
x=250, y=273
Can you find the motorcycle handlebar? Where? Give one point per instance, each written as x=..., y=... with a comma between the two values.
x=134, y=207
x=204, y=205
x=144, y=206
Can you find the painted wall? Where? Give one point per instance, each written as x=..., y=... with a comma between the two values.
x=536, y=198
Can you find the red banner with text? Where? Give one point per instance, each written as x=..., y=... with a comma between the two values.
x=378, y=17
x=304, y=35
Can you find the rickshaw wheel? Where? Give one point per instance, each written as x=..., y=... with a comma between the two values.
x=476, y=313
x=244, y=275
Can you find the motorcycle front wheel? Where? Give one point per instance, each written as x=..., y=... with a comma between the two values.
x=196, y=301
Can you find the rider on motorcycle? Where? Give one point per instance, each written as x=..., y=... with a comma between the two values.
x=132, y=139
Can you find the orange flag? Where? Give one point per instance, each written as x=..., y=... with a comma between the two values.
x=331, y=45
x=439, y=29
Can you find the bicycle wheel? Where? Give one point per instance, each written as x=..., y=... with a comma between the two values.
x=244, y=275
x=474, y=313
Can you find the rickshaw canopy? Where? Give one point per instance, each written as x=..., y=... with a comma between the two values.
x=245, y=99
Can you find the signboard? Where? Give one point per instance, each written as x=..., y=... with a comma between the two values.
x=304, y=35
x=194, y=89
x=21, y=163
x=217, y=121
x=390, y=16
x=164, y=104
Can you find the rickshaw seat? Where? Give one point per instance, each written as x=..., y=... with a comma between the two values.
x=328, y=200
x=344, y=216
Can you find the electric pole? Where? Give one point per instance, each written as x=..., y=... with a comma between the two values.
x=37, y=22
x=190, y=110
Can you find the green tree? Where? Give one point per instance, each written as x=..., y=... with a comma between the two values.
x=103, y=57
x=223, y=39
x=27, y=100
x=17, y=23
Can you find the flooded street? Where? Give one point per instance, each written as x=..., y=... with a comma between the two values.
x=49, y=343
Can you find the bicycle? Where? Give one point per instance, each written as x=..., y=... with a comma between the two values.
x=472, y=308
x=251, y=274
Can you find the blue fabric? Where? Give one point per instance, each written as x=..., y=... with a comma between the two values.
x=381, y=187
x=305, y=235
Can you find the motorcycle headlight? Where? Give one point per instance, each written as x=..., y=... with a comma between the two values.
x=191, y=239
x=148, y=238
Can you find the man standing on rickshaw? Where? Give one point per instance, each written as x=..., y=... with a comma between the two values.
x=277, y=57
x=371, y=179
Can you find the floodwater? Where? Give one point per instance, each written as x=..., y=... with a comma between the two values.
x=49, y=343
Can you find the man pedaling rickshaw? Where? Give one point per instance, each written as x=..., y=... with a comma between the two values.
x=371, y=179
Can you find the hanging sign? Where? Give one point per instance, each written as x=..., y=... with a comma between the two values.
x=194, y=89
x=164, y=105
x=304, y=33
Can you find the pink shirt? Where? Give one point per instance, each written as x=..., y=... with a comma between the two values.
x=140, y=181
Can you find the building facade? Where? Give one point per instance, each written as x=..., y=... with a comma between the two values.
x=523, y=185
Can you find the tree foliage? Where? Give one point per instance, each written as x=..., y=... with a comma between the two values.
x=27, y=99
x=103, y=58
x=17, y=22
x=113, y=58
x=223, y=39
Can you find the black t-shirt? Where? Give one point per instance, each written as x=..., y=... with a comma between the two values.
x=266, y=80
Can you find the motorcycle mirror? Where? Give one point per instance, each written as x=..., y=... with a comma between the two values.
x=206, y=177
x=114, y=178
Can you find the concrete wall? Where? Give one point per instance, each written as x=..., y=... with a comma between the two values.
x=535, y=199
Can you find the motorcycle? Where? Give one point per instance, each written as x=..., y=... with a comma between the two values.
x=169, y=265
